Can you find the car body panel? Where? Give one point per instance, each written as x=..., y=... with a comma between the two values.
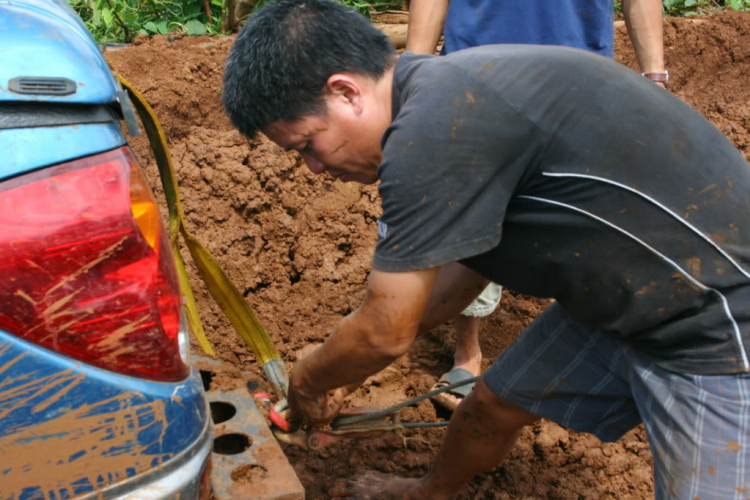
x=24, y=154
x=45, y=38
x=70, y=429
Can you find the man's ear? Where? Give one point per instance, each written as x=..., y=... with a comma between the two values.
x=348, y=89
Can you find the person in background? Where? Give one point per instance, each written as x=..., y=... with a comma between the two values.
x=584, y=24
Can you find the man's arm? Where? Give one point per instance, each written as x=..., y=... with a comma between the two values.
x=455, y=288
x=396, y=308
x=363, y=343
x=644, y=21
x=426, y=19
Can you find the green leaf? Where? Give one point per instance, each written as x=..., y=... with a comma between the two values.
x=195, y=27
x=107, y=17
x=150, y=27
x=690, y=3
x=191, y=10
x=130, y=18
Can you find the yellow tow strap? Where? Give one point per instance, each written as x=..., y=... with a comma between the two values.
x=226, y=295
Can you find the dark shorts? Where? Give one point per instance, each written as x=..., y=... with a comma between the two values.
x=571, y=374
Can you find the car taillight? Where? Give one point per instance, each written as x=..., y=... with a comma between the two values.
x=86, y=270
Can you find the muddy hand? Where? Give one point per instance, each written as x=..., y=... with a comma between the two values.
x=316, y=410
x=377, y=486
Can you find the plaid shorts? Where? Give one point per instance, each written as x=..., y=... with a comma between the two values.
x=571, y=374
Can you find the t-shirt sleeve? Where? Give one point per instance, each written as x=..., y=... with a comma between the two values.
x=452, y=159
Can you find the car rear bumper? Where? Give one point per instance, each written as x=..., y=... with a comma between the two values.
x=74, y=431
x=180, y=478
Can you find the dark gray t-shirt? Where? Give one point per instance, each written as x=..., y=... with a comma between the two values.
x=559, y=173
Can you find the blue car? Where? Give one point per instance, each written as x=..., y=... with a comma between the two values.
x=97, y=395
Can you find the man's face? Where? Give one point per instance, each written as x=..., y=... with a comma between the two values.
x=340, y=142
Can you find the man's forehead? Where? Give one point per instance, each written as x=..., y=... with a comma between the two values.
x=286, y=133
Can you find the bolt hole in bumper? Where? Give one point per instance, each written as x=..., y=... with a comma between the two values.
x=247, y=461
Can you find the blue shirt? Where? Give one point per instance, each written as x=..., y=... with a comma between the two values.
x=584, y=24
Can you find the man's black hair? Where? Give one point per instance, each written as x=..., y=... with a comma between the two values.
x=280, y=61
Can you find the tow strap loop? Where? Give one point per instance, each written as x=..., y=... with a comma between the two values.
x=228, y=298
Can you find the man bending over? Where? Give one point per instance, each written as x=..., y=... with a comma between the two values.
x=540, y=169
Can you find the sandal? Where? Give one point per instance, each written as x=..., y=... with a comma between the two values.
x=451, y=377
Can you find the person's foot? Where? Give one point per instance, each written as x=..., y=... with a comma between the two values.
x=450, y=399
x=472, y=364
x=378, y=486
x=467, y=363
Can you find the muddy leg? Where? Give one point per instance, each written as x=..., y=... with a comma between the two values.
x=377, y=486
x=468, y=354
x=481, y=434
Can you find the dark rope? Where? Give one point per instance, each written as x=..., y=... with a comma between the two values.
x=409, y=425
x=341, y=421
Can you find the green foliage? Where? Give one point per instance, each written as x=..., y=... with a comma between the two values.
x=122, y=20
x=364, y=7
x=369, y=6
x=693, y=7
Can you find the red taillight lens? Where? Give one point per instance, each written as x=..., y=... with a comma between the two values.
x=86, y=270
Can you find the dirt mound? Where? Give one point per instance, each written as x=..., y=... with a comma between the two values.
x=299, y=247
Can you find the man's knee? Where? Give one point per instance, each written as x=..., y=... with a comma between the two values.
x=501, y=413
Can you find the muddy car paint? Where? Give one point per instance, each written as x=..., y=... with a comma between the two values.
x=69, y=429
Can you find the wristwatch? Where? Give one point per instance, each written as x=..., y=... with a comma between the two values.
x=658, y=76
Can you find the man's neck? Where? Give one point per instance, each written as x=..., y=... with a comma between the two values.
x=383, y=90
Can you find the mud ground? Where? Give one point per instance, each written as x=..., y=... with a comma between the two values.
x=299, y=247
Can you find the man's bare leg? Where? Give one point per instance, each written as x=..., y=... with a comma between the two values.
x=480, y=436
x=468, y=354
x=467, y=357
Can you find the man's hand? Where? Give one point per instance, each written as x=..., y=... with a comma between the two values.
x=317, y=410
